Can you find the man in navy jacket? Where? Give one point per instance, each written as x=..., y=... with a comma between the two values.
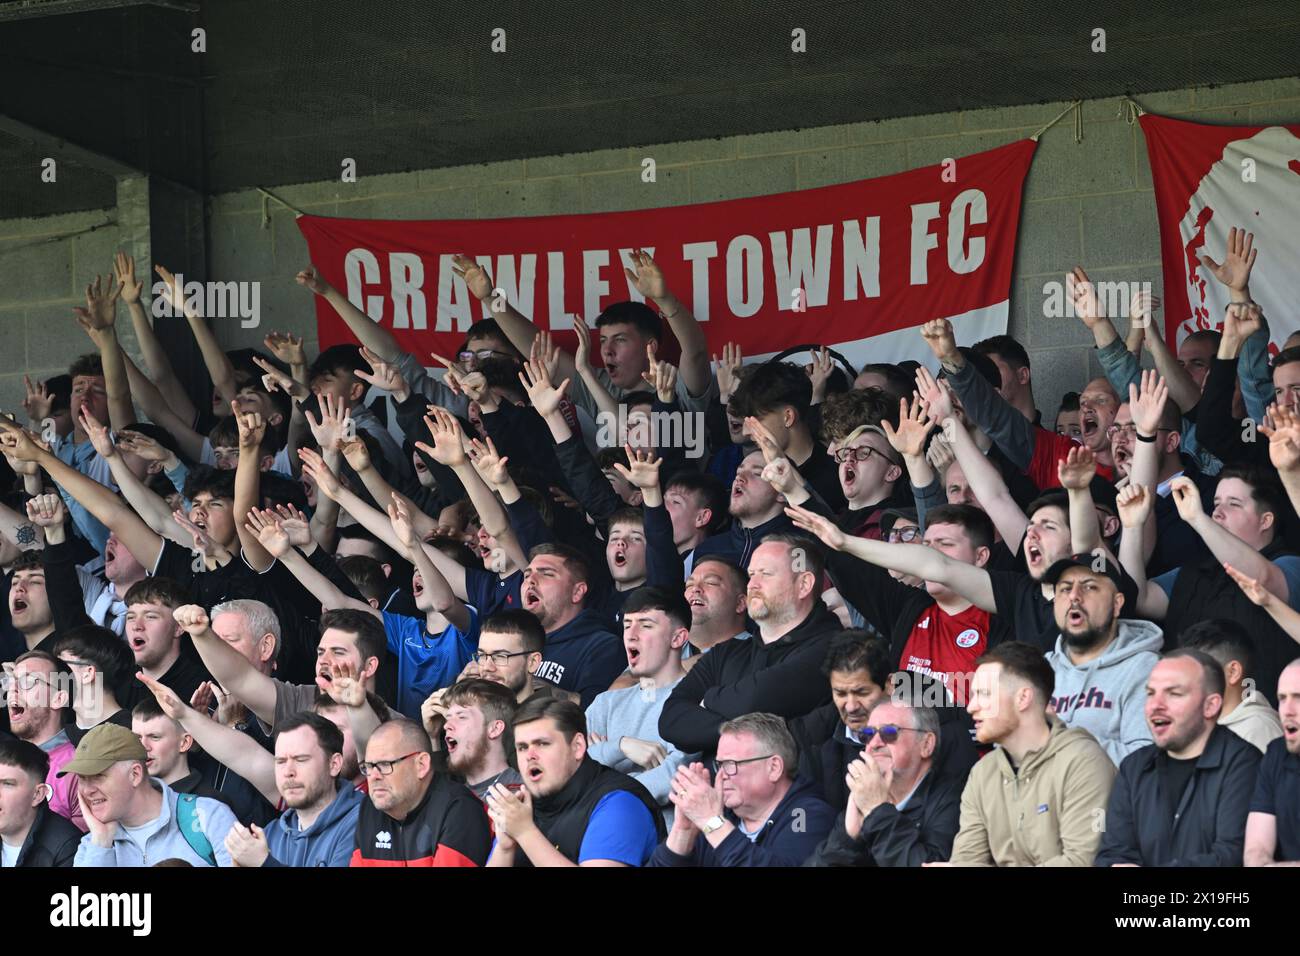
x=755, y=812
x=1182, y=800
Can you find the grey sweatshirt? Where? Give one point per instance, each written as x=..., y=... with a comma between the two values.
x=1107, y=695
x=634, y=712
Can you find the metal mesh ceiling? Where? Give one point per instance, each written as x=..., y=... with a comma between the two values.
x=289, y=88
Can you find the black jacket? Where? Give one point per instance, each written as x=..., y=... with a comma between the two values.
x=52, y=840
x=746, y=677
x=1209, y=828
x=737, y=543
x=922, y=832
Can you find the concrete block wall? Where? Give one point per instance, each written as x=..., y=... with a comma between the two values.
x=1088, y=203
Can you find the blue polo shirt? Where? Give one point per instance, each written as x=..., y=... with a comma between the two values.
x=426, y=662
x=1277, y=792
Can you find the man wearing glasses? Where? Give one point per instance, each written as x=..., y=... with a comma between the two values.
x=754, y=812
x=415, y=816
x=902, y=810
x=37, y=696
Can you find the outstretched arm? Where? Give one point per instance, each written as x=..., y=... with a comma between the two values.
x=231, y=670
x=274, y=541
x=220, y=368
x=1286, y=617
x=445, y=604
x=1136, y=505
x=694, y=364
x=97, y=319
x=150, y=506
x=155, y=356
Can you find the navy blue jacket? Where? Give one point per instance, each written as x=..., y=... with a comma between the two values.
x=799, y=822
x=584, y=656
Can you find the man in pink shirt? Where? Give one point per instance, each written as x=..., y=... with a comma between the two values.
x=39, y=692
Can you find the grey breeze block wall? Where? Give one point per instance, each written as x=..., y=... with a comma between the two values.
x=1088, y=203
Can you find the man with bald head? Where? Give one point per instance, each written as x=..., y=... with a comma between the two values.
x=1273, y=827
x=902, y=811
x=416, y=816
x=1182, y=800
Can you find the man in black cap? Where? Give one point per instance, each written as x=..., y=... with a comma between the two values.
x=1101, y=662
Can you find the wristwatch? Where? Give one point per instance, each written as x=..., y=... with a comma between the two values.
x=711, y=824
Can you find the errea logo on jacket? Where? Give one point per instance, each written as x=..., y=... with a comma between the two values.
x=383, y=840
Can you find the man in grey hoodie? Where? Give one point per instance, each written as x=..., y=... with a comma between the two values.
x=319, y=826
x=1101, y=662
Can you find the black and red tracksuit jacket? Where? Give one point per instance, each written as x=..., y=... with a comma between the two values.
x=447, y=828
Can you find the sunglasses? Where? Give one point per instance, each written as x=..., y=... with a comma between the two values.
x=888, y=733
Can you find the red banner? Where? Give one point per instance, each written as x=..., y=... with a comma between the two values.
x=1207, y=180
x=857, y=266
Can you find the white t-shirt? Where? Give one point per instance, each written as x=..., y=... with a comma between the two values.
x=8, y=855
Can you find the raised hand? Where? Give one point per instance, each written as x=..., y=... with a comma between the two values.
x=936, y=394
x=171, y=704
x=511, y=812
x=448, y=438
x=101, y=306
x=384, y=376
x=433, y=714
x=335, y=423
x=192, y=619
x=644, y=467
x=544, y=351
x=823, y=528
x=1134, y=503
x=310, y=279
x=1258, y=594
x=1241, y=320
x=38, y=402
x=1147, y=403
x=46, y=511
x=203, y=543
x=544, y=396
x=99, y=437
x=939, y=336
x=346, y=686
x=1081, y=291
x=782, y=476
x=19, y=443
x=314, y=467
x=940, y=454
x=648, y=277
x=1076, y=470
x=1141, y=308
x=1238, y=260
x=286, y=347
x=400, y=518
x=124, y=273
x=172, y=290
x=1283, y=437
x=274, y=378
x=914, y=427
x=662, y=376
x=819, y=371
x=270, y=533
x=582, y=353
x=295, y=524
x=251, y=427
x=489, y=463
x=227, y=708
x=764, y=439
x=727, y=371
x=476, y=277
x=142, y=446
x=1187, y=498
x=355, y=453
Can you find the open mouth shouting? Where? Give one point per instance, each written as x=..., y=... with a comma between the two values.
x=452, y=744
x=1089, y=425
x=1033, y=555
x=531, y=598
x=620, y=559
x=533, y=773
x=1161, y=725
x=137, y=642
x=848, y=476
x=19, y=606
x=1075, y=618
x=1290, y=728
x=633, y=656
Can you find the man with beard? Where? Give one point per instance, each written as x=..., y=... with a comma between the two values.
x=415, y=816
x=1056, y=776
x=582, y=655
x=349, y=638
x=38, y=699
x=1273, y=827
x=478, y=717
x=1101, y=663
x=715, y=594
x=1182, y=800
x=756, y=510
x=318, y=828
x=572, y=811
x=623, y=724
x=779, y=672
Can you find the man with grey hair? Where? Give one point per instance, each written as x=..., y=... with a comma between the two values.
x=252, y=629
x=759, y=813
x=902, y=810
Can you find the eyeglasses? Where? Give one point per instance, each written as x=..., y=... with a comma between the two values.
x=906, y=535
x=71, y=662
x=29, y=681
x=861, y=453
x=729, y=767
x=385, y=767
x=498, y=658
x=888, y=733
x=1127, y=431
x=471, y=358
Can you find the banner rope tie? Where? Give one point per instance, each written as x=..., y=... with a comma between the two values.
x=1077, y=107
x=1129, y=110
x=267, y=197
